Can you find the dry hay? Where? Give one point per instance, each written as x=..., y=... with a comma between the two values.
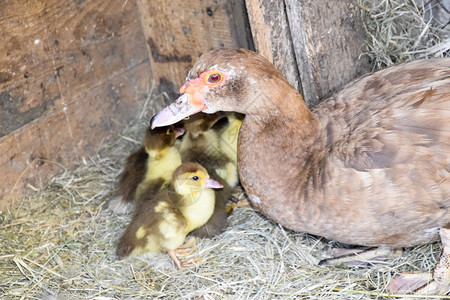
x=60, y=243
x=405, y=30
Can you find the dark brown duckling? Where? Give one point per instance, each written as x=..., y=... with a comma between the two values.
x=132, y=175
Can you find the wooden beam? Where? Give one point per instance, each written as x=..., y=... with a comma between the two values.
x=178, y=32
x=318, y=42
x=70, y=135
x=328, y=39
x=272, y=36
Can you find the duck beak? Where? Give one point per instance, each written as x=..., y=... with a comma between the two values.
x=183, y=107
x=212, y=184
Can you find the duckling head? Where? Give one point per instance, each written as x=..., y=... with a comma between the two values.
x=192, y=181
x=200, y=123
x=195, y=194
x=158, y=140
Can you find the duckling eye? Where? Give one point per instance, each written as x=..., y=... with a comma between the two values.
x=214, y=78
x=195, y=178
x=169, y=131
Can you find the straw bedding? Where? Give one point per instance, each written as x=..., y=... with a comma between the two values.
x=60, y=243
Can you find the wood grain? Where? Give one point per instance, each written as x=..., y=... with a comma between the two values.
x=70, y=73
x=68, y=136
x=56, y=49
x=317, y=45
x=272, y=36
x=328, y=41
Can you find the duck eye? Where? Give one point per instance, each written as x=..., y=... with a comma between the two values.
x=195, y=178
x=169, y=131
x=214, y=78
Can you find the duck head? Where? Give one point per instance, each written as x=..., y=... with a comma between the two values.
x=228, y=80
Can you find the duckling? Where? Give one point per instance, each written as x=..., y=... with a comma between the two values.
x=201, y=144
x=228, y=138
x=199, y=138
x=164, y=157
x=154, y=162
x=216, y=136
x=163, y=220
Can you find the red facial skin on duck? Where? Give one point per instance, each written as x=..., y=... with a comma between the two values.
x=192, y=99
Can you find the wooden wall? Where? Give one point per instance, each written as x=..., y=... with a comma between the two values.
x=73, y=73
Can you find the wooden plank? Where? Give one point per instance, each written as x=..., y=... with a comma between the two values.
x=177, y=32
x=69, y=135
x=328, y=42
x=272, y=37
x=70, y=73
x=315, y=44
x=53, y=50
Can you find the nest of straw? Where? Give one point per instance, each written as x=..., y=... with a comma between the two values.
x=60, y=243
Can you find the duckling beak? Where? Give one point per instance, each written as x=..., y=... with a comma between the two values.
x=212, y=184
x=179, y=131
x=183, y=107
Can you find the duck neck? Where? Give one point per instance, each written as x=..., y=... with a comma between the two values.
x=287, y=127
x=287, y=145
x=280, y=104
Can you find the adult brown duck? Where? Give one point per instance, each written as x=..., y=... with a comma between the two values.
x=370, y=165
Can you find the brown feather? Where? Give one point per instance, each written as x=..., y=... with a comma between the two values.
x=133, y=173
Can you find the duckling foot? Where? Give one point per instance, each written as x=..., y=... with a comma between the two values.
x=185, y=250
x=243, y=203
x=420, y=283
x=185, y=264
x=175, y=259
x=360, y=257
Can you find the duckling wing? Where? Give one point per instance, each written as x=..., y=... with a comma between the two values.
x=133, y=174
x=148, y=191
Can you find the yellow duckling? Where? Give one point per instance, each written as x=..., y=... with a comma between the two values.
x=228, y=138
x=152, y=164
x=164, y=157
x=163, y=220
